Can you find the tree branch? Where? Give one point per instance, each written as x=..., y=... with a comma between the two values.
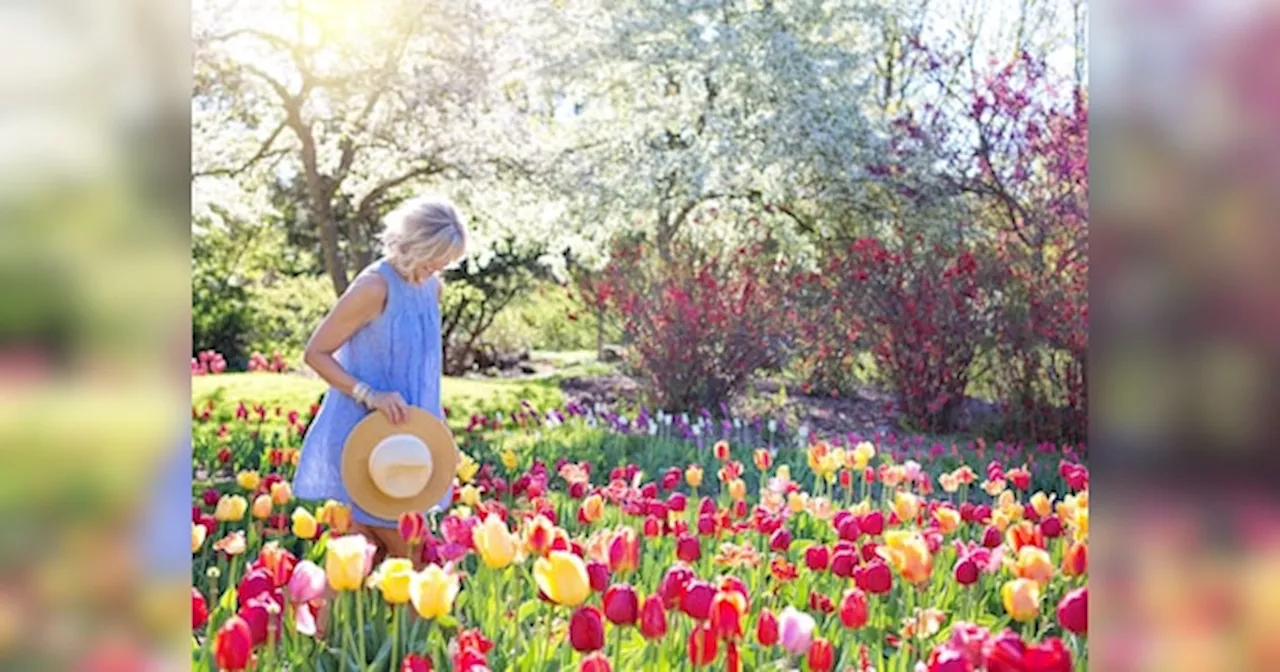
x=263, y=152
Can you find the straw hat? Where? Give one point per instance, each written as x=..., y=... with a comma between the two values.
x=393, y=469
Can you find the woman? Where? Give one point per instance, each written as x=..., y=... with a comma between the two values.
x=379, y=349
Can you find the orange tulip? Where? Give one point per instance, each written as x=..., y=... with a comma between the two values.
x=763, y=459
x=737, y=489
x=1033, y=563
x=624, y=551
x=693, y=476
x=906, y=506
x=1075, y=562
x=948, y=519
x=539, y=535
x=592, y=508
x=908, y=553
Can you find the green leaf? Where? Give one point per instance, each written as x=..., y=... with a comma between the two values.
x=228, y=600
x=529, y=608
x=384, y=654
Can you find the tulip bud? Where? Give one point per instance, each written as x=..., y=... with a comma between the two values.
x=702, y=645
x=688, y=549
x=598, y=575
x=653, y=618
x=696, y=601
x=767, y=628
x=854, y=609
x=966, y=571
x=233, y=645
x=621, y=604
x=780, y=541
x=199, y=610
x=1073, y=611
x=596, y=662
x=817, y=558
x=586, y=630
x=822, y=655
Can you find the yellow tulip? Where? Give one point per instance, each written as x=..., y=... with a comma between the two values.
x=693, y=476
x=262, y=507
x=861, y=508
x=1021, y=599
x=1000, y=520
x=562, y=577
x=337, y=516
x=509, y=459
x=948, y=519
x=1033, y=563
x=393, y=579
x=467, y=468
x=592, y=508
x=906, y=506
x=908, y=553
x=737, y=489
x=433, y=591
x=230, y=508
x=347, y=560
x=198, y=534
x=1042, y=503
x=304, y=524
x=797, y=501
x=248, y=480
x=784, y=472
x=496, y=545
x=993, y=488
x=1081, y=524
x=281, y=493
x=862, y=454
x=469, y=495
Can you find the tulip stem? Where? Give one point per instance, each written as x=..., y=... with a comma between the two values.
x=395, y=634
x=360, y=626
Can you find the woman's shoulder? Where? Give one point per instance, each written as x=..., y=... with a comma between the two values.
x=368, y=291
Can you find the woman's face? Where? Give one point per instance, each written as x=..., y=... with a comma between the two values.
x=423, y=271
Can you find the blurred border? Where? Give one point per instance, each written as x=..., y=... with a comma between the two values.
x=94, y=334
x=1185, y=166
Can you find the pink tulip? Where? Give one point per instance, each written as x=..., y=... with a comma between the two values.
x=795, y=630
x=308, y=582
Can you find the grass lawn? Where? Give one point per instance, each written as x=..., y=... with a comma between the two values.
x=462, y=395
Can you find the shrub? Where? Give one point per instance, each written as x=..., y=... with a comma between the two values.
x=924, y=315
x=702, y=323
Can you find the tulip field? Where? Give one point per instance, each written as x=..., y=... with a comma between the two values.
x=580, y=539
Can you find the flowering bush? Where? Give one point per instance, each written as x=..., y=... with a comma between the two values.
x=259, y=362
x=702, y=323
x=207, y=362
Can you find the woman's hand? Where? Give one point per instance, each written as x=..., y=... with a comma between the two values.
x=391, y=404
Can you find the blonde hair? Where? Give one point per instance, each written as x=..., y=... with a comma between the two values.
x=421, y=229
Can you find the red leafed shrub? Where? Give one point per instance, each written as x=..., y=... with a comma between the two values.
x=702, y=323
x=924, y=312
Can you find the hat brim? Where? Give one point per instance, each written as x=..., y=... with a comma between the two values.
x=372, y=430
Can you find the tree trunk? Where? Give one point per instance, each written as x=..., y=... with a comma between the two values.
x=319, y=193
x=358, y=244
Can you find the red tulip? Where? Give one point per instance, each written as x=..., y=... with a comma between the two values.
x=624, y=551
x=734, y=584
x=596, y=662
x=967, y=510
x=991, y=537
x=652, y=527
x=740, y=508
x=1020, y=478
x=586, y=630
x=966, y=571
x=211, y=497
x=947, y=659
x=412, y=527
x=254, y=583
x=262, y=613
x=199, y=610
x=767, y=628
x=874, y=577
x=869, y=551
x=598, y=575
x=843, y=562
x=621, y=604
x=673, y=586
x=415, y=663
x=688, y=548
x=821, y=603
x=780, y=541
x=232, y=645
x=822, y=655
x=696, y=601
x=732, y=659
x=1050, y=655
x=1075, y=562
x=1051, y=527
x=817, y=558
x=728, y=608
x=702, y=645
x=854, y=609
x=707, y=507
x=653, y=618
x=706, y=525
x=872, y=523
x=1004, y=653
x=1073, y=611
x=677, y=502
x=849, y=529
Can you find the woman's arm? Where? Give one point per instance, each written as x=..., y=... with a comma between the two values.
x=361, y=303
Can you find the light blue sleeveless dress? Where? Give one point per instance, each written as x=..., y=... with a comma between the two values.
x=399, y=351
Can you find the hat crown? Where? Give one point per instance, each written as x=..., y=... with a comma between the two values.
x=400, y=465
